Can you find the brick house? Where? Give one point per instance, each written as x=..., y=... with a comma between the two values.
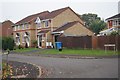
x=113, y=24
x=46, y=26
x=6, y=28
x=113, y=21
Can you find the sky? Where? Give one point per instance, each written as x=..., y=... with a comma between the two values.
x=16, y=10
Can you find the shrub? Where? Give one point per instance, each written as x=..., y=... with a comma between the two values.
x=6, y=70
x=20, y=47
x=34, y=42
x=7, y=43
x=114, y=33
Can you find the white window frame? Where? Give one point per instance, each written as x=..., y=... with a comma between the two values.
x=14, y=28
x=18, y=27
x=38, y=25
x=23, y=27
x=26, y=26
x=46, y=23
x=115, y=22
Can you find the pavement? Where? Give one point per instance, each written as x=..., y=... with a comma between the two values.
x=57, y=67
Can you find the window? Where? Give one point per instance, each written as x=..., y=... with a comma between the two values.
x=18, y=27
x=38, y=25
x=119, y=22
x=26, y=26
x=14, y=28
x=116, y=22
x=46, y=23
x=38, y=22
x=23, y=26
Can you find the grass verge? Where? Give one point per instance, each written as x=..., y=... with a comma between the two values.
x=25, y=50
x=85, y=52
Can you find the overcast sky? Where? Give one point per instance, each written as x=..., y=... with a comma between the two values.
x=15, y=10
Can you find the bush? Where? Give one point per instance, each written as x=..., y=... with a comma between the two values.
x=7, y=43
x=6, y=70
x=20, y=47
x=34, y=42
x=114, y=33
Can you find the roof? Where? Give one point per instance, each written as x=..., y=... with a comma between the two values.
x=66, y=26
x=115, y=16
x=56, y=12
x=7, y=21
x=42, y=15
x=32, y=17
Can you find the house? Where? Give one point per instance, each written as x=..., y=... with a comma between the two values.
x=113, y=24
x=75, y=28
x=45, y=26
x=113, y=21
x=6, y=28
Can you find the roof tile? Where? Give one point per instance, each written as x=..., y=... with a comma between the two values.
x=66, y=26
x=32, y=17
x=42, y=15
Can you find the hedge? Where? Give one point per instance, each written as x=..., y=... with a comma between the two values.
x=7, y=43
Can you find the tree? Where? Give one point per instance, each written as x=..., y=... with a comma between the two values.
x=93, y=22
x=97, y=26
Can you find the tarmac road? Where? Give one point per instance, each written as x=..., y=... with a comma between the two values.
x=72, y=68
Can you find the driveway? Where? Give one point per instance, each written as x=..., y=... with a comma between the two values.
x=72, y=68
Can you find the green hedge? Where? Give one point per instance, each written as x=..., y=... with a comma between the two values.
x=7, y=43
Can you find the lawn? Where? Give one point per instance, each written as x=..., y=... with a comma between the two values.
x=83, y=52
x=25, y=50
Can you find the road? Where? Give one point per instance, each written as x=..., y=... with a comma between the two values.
x=72, y=68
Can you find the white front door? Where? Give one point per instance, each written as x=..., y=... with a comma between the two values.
x=27, y=41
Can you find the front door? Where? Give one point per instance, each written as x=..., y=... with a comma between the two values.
x=39, y=40
x=56, y=38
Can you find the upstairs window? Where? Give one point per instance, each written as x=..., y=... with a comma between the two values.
x=38, y=25
x=26, y=25
x=23, y=26
x=14, y=28
x=18, y=27
x=116, y=22
x=38, y=22
x=46, y=23
x=119, y=22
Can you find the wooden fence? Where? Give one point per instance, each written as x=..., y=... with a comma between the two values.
x=91, y=42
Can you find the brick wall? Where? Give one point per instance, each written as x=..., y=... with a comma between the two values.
x=7, y=28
